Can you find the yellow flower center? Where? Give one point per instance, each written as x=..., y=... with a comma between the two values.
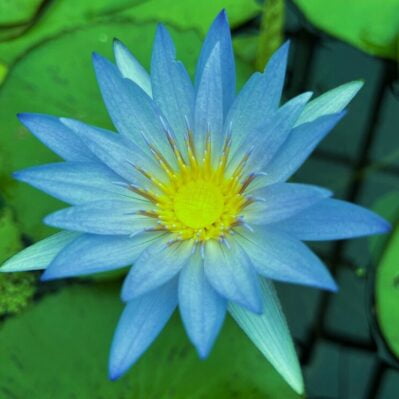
x=198, y=204
x=200, y=200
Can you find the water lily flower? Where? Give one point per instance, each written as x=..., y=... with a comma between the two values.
x=192, y=191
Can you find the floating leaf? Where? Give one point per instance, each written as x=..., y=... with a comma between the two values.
x=67, y=16
x=271, y=31
x=16, y=289
x=60, y=347
x=387, y=293
x=17, y=12
x=371, y=25
x=388, y=207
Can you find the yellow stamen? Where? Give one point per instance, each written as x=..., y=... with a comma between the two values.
x=198, y=201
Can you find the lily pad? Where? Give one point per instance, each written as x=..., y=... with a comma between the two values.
x=59, y=348
x=371, y=25
x=387, y=293
x=16, y=289
x=181, y=14
x=61, y=16
x=17, y=12
x=10, y=241
x=388, y=207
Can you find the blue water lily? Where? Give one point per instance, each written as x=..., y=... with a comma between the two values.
x=192, y=191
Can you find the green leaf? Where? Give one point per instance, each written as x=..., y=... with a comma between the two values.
x=61, y=16
x=60, y=347
x=387, y=293
x=388, y=207
x=16, y=289
x=17, y=12
x=10, y=241
x=271, y=31
x=371, y=25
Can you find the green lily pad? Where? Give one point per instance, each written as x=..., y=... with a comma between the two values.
x=16, y=289
x=194, y=14
x=387, y=293
x=66, y=16
x=14, y=12
x=59, y=348
x=10, y=241
x=388, y=207
x=371, y=25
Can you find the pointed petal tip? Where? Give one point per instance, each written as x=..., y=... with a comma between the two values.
x=287, y=43
x=161, y=28
x=306, y=95
x=117, y=43
x=298, y=385
x=23, y=116
x=285, y=47
x=222, y=14
x=18, y=175
x=5, y=268
x=114, y=374
x=68, y=122
x=203, y=351
x=118, y=47
x=385, y=226
x=98, y=60
x=95, y=56
x=27, y=117
x=332, y=287
x=221, y=20
x=359, y=83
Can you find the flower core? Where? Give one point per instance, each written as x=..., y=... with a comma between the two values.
x=199, y=203
x=200, y=199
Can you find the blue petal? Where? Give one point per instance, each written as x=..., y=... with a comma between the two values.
x=201, y=308
x=102, y=217
x=92, y=253
x=279, y=256
x=49, y=130
x=269, y=332
x=140, y=323
x=259, y=97
x=39, y=255
x=282, y=200
x=301, y=142
x=267, y=139
x=115, y=152
x=219, y=33
x=132, y=111
x=208, y=113
x=333, y=219
x=230, y=273
x=332, y=102
x=75, y=182
x=155, y=266
x=172, y=87
x=130, y=68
